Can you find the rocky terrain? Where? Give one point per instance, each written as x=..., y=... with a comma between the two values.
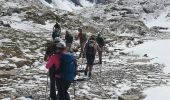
x=25, y=28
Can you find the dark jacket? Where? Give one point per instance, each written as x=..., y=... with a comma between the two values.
x=100, y=41
x=69, y=38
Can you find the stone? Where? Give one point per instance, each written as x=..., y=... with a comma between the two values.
x=128, y=97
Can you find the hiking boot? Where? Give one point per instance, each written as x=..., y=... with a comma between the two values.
x=84, y=56
x=100, y=62
x=85, y=72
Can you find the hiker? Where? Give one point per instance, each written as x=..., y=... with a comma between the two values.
x=101, y=44
x=83, y=38
x=51, y=48
x=91, y=47
x=56, y=31
x=69, y=40
x=62, y=71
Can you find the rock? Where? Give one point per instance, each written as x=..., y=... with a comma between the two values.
x=96, y=18
x=3, y=74
x=140, y=41
x=1, y=23
x=128, y=97
x=7, y=25
x=49, y=1
x=147, y=10
x=77, y=3
x=7, y=74
x=123, y=53
x=157, y=28
x=145, y=55
x=4, y=24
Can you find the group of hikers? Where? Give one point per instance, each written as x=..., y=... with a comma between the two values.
x=62, y=64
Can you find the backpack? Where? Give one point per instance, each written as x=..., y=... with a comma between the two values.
x=50, y=49
x=100, y=41
x=83, y=37
x=55, y=34
x=69, y=38
x=90, y=47
x=68, y=66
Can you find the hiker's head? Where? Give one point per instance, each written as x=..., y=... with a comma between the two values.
x=79, y=30
x=67, y=32
x=99, y=35
x=92, y=37
x=56, y=27
x=60, y=46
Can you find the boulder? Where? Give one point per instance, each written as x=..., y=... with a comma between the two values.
x=128, y=97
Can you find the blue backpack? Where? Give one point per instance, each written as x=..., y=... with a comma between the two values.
x=67, y=70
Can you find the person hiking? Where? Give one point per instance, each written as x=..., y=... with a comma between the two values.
x=62, y=71
x=56, y=31
x=101, y=44
x=51, y=48
x=69, y=40
x=83, y=38
x=91, y=47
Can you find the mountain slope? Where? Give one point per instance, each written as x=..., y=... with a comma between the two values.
x=22, y=45
x=69, y=5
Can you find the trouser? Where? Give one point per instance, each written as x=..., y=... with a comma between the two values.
x=52, y=83
x=90, y=61
x=68, y=45
x=62, y=87
x=100, y=54
x=82, y=48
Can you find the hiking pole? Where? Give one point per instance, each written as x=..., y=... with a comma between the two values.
x=74, y=90
x=81, y=62
x=46, y=88
x=100, y=70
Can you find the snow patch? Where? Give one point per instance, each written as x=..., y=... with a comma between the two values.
x=159, y=50
x=15, y=59
x=67, y=4
x=162, y=20
x=5, y=40
x=155, y=49
x=158, y=93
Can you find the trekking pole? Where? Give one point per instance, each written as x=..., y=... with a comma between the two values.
x=100, y=70
x=101, y=65
x=82, y=62
x=74, y=90
x=47, y=87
